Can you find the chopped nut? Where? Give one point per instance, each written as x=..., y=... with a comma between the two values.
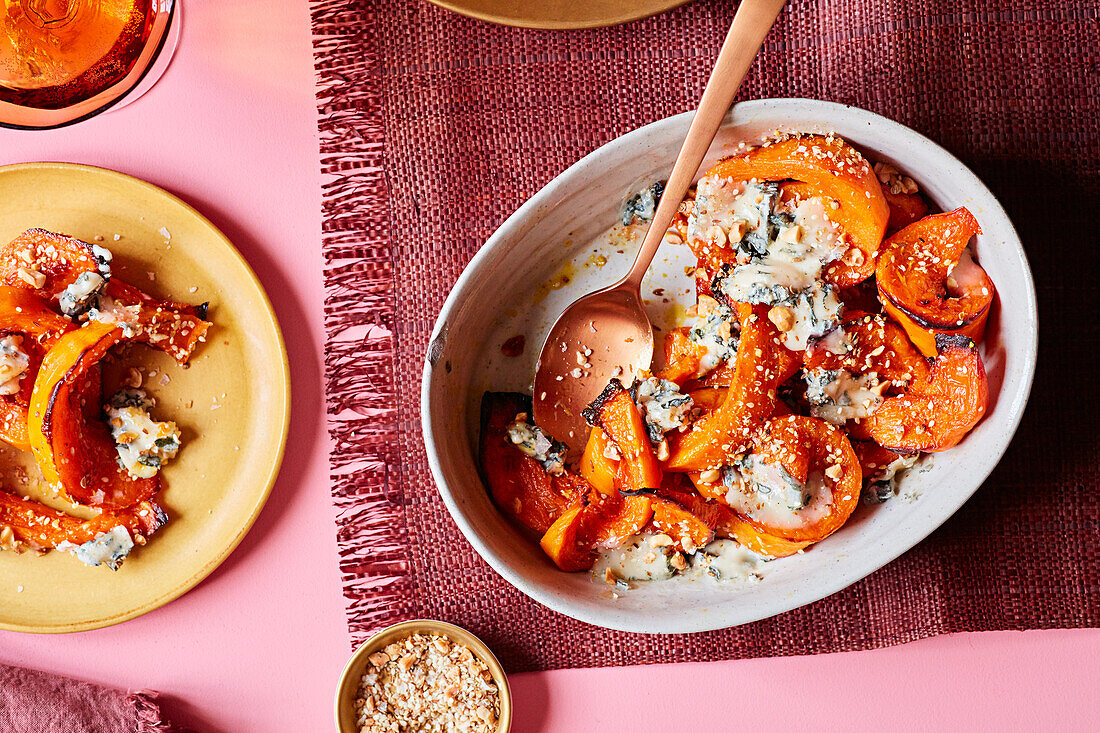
x=678, y=561
x=7, y=539
x=853, y=257
x=738, y=230
x=710, y=476
x=791, y=234
x=834, y=472
x=427, y=683
x=661, y=540
x=782, y=317
x=133, y=378
x=32, y=277
x=662, y=450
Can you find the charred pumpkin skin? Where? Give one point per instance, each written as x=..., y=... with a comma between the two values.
x=42, y=527
x=24, y=313
x=761, y=365
x=518, y=484
x=939, y=410
x=616, y=414
x=834, y=170
x=825, y=445
x=912, y=280
x=72, y=445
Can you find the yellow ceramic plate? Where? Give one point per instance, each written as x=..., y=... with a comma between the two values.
x=232, y=404
x=559, y=14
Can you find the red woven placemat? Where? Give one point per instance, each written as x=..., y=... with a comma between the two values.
x=434, y=128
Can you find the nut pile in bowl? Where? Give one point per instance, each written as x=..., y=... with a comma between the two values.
x=427, y=683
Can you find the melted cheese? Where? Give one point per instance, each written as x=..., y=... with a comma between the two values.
x=14, y=363
x=838, y=396
x=765, y=492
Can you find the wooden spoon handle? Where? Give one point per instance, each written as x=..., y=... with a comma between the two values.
x=751, y=24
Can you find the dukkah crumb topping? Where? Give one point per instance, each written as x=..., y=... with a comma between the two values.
x=427, y=684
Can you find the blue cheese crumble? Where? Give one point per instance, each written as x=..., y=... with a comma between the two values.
x=14, y=364
x=144, y=445
x=782, y=249
x=883, y=483
x=108, y=548
x=643, y=205
x=838, y=396
x=532, y=441
x=713, y=330
x=83, y=292
x=663, y=406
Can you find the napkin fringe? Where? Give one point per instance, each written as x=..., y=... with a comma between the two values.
x=359, y=317
x=148, y=713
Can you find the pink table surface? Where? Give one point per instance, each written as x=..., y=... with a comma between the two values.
x=259, y=645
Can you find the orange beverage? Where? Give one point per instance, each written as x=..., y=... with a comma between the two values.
x=60, y=54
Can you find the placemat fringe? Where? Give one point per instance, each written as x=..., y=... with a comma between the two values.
x=359, y=315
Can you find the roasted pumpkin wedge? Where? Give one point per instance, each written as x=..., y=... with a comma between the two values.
x=29, y=327
x=688, y=531
x=616, y=414
x=48, y=263
x=727, y=523
x=766, y=493
x=38, y=526
x=683, y=357
x=597, y=466
x=935, y=412
x=929, y=283
x=615, y=518
x=174, y=328
x=905, y=208
x=565, y=542
x=835, y=171
x=876, y=345
x=71, y=442
x=761, y=365
x=518, y=484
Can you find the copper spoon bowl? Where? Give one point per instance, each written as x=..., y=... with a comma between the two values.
x=607, y=333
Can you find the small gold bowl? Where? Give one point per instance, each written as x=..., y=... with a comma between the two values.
x=348, y=688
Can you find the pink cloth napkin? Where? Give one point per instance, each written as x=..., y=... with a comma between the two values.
x=39, y=702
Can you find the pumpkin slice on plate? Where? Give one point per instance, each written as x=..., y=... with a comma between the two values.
x=71, y=442
x=518, y=484
x=36, y=526
x=801, y=482
x=761, y=365
x=28, y=328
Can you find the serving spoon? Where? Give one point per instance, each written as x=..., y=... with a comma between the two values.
x=607, y=333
